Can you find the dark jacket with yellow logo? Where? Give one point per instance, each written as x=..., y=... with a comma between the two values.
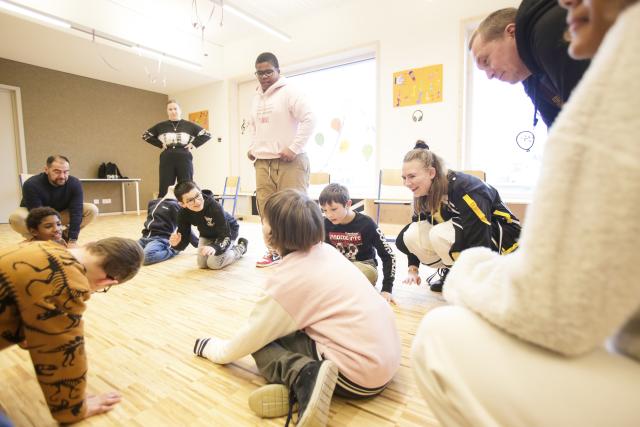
x=43, y=290
x=479, y=216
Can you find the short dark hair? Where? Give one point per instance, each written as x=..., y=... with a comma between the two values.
x=268, y=57
x=183, y=188
x=295, y=220
x=121, y=258
x=334, y=193
x=55, y=157
x=36, y=215
x=492, y=27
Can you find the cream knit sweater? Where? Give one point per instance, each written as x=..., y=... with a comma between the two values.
x=576, y=279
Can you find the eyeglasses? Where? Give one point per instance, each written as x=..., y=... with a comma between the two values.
x=106, y=288
x=265, y=73
x=193, y=199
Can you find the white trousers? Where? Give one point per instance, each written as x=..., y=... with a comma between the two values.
x=431, y=243
x=473, y=374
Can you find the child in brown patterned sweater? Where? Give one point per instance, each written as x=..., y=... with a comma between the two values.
x=43, y=289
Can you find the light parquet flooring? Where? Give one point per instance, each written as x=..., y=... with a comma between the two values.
x=140, y=336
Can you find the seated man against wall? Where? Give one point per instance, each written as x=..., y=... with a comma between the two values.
x=43, y=289
x=57, y=189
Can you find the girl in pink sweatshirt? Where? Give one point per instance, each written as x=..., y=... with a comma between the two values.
x=319, y=324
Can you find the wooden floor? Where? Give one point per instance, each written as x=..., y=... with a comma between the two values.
x=139, y=339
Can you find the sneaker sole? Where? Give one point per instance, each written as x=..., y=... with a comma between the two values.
x=270, y=401
x=317, y=412
x=266, y=265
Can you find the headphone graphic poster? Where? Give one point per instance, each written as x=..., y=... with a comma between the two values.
x=417, y=116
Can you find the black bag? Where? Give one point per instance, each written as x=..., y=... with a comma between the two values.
x=109, y=171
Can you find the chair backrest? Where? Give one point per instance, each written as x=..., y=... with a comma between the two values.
x=391, y=190
x=391, y=186
x=24, y=177
x=317, y=182
x=319, y=178
x=231, y=183
x=478, y=174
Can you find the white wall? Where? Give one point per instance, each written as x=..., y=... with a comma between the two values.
x=211, y=160
x=408, y=33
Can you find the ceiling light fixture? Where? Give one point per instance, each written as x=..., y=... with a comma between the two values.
x=31, y=13
x=253, y=20
x=142, y=50
x=161, y=56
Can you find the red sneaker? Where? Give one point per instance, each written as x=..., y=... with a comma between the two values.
x=269, y=259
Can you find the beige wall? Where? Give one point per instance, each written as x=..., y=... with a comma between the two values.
x=89, y=121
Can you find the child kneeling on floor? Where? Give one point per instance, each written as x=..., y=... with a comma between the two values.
x=218, y=230
x=311, y=332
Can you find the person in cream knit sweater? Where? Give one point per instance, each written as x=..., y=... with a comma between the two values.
x=550, y=335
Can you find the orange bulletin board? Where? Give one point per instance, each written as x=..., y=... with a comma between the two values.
x=201, y=118
x=417, y=86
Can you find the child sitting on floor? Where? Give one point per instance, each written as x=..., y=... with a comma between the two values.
x=162, y=220
x=44, y=223
x=218, y=230
x=357, y=237
x=318, y=326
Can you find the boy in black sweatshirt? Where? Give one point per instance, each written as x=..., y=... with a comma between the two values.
x=218, y=230
x=357, y=237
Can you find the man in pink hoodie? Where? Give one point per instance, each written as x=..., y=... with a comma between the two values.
x=281, y=124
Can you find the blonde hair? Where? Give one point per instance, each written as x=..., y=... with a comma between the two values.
x=439, y=185
x=492, y=27
x=295, y=220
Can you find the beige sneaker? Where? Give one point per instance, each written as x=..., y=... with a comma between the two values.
x=270, y=401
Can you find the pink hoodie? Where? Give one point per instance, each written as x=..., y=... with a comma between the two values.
x=326, y=296
x=280, y=118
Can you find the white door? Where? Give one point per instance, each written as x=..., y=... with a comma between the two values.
x=10, y=192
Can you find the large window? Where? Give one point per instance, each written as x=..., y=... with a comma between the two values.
x=344, y=141
x=499, y=136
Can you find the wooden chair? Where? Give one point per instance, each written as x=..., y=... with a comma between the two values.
x=317, y=181
x=477, y=173
x=230, y=192
x=389, y=190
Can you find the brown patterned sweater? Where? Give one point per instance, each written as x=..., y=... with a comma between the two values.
x=43, y=290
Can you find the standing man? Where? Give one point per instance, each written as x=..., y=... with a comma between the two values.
x=281, y=123
x=56, y=189
x=527, y=45
x=176, y=137
x=43, y=289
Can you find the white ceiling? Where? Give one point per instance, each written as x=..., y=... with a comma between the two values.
x=162, y=25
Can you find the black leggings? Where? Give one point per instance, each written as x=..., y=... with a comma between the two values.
x=175, y=163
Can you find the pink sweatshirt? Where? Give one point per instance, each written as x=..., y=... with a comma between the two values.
x=325, y=295
x=280, y=118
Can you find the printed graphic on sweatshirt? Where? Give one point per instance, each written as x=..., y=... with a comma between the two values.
x=264, y=112
x=346, y=243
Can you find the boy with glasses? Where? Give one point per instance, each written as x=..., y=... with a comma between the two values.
x=281, y=123
x=218, y=229
x=43, y=292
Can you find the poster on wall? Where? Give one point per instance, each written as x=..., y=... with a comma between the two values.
x=201, y=118
x=417, y=86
